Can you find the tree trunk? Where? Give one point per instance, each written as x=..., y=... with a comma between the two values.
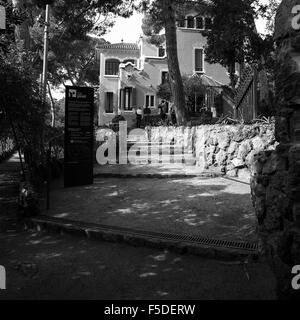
x=21, y=31
x=173, y=65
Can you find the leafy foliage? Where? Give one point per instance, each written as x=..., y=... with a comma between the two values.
x=234, y=37
x=193, y=85
x=20, y=103
x=74, y=26
x=164, y=91
x=71, y=57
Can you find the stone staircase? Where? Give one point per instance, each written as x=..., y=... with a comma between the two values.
x=159, y=152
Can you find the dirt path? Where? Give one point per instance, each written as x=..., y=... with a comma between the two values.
x=45, y=266
x=214, y=207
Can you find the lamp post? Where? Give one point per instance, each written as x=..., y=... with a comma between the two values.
x=44, y=94
x=45, y=59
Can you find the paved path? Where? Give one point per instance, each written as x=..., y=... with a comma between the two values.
x=214, y=207
x=45, y=266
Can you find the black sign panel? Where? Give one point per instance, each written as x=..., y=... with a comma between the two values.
x=79, y=115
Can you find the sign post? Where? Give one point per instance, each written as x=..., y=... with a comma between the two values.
x=79, y=136
x=2, y=18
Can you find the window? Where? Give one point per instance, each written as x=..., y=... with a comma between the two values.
x=190, y=22
x=199, y=23
x=161, y=51
x=150, y=100
x=109, y=102
x=181, y=22
x=112, y=67
x=164, y=77
x=208, y=23
x=199, y=59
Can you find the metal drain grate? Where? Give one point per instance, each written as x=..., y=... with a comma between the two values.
x=193, y=239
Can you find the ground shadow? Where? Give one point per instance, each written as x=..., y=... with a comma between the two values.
x=212, y=207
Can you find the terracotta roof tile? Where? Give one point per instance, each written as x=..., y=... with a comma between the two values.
x=120, y=46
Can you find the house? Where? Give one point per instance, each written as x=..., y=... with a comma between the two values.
x=131, y=72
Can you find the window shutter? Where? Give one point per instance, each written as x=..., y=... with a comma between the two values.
x=105, y=102
x=121, y=104
x=112, y=102
x=109, y=102
x=134, y=98
x=152, y=101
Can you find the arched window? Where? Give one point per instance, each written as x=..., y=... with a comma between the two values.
x=208, y=22
x=190, y=22
x=199, y=23
x=181, y=21
x=112, y=67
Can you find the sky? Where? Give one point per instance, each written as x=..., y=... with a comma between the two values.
x=127, y=29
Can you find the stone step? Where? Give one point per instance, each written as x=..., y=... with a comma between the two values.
x=149, y=143
x=187, y=161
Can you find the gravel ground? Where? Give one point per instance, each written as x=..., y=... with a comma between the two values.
x=215, y=207
x=46, y=266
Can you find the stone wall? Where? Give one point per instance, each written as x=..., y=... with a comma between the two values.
x=228, y=149
x=275, y=177
x=274, y=191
